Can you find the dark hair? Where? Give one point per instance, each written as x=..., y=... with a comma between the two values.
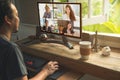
x=5, y=10
x=65, y=28
x=72, y=16
x=71, y=29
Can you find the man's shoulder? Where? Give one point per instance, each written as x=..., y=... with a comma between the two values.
x=6, y=44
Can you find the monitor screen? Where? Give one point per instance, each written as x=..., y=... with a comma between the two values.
x=60, y=18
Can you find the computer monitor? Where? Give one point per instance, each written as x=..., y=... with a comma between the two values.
x=60, y=18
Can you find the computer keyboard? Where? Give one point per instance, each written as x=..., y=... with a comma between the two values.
x=38, y=63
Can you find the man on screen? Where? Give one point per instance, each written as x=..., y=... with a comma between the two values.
x=47, y=13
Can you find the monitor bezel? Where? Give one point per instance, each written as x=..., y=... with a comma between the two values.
x=61, y=3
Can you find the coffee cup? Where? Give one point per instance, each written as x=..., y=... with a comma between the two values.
x=85, y=49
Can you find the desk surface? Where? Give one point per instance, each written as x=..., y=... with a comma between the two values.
x=96, y=65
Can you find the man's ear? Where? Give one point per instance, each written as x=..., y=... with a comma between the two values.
x=7, y=20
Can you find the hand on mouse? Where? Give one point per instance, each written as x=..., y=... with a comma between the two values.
x=51, y=67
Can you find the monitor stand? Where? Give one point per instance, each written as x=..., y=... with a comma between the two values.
x=64, y=41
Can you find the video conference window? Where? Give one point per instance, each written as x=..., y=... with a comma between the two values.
x=60, y=18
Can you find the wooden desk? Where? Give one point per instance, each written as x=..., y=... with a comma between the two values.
x=107, y=68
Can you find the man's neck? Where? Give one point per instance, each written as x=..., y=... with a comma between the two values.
x=5, y=33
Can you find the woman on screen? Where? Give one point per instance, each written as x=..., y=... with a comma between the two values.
x=68, y=30
x=47, y=13
x=69, y=14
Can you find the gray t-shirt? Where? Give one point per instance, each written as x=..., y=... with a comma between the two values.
x=11, y=61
